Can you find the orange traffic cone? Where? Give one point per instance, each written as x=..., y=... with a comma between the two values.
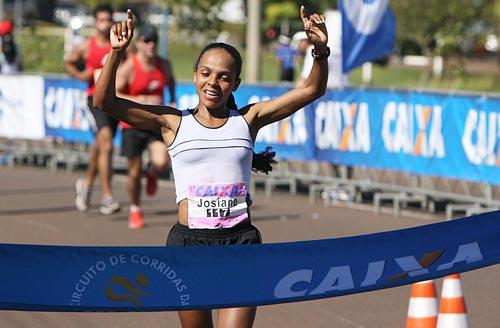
x=422, y=310
x=452, y=311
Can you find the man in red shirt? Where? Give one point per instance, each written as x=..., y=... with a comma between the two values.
x=143, y=78
x=94, y=52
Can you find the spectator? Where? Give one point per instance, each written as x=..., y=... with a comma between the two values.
x=287, y=57
x=10, y=57
x=300, y=42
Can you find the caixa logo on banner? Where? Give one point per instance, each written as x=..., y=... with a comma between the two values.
x=309, y=281
x=343, y=126
x=66, y=108
x=289, y=131
x=413, y=129
x=480, y=137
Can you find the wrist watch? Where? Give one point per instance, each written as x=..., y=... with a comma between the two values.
x=322, y=55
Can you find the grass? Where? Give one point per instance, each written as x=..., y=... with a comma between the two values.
x=183, y=57
x=43, y=53
x=412, y=78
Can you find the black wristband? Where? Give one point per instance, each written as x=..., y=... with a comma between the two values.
x=321, y=56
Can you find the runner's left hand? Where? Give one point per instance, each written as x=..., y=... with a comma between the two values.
x=315, y=28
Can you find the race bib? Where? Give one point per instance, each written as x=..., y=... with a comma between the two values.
x=214, y=206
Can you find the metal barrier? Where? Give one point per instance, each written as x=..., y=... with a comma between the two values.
x=325, y=181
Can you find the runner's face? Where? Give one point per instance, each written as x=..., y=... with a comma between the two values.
x=215, y=79
x=147, y=47
x=103, y=22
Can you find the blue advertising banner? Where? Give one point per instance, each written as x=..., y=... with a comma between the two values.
x=72, y=278
x=422, y=133
x=451, y=136
x=65, y=111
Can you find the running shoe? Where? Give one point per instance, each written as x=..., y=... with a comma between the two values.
x=109, y=206
x=136, y=219
x=82, y=200
x=152, y=181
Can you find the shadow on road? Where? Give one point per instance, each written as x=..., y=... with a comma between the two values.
x=40, y=190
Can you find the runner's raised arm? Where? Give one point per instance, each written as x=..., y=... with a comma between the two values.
x=105, y=98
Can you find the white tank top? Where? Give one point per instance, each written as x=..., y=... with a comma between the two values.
x=212, y=168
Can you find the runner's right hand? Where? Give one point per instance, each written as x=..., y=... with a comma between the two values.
x=121, y=33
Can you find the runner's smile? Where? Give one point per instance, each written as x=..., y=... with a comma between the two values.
x=215, y=77
x=212, y=94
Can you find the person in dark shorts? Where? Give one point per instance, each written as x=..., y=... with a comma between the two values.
x=211, y=146
x=94, y=52
x=288, y=57
x=143, y=78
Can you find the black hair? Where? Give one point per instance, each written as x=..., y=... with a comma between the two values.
x=228, y=48
x=102, y=8
x=263, y=161
x=9, y=48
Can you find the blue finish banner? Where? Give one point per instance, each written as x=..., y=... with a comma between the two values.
x=71, y=278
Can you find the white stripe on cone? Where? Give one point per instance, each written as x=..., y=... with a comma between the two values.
x=422, y=307
x=452, y=288
x=452, y=300
x=452, y=320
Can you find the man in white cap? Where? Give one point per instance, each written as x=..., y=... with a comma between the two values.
x=287, y=57
x=300, y=42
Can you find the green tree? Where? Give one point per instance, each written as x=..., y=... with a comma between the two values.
x=286, y=13
x=196, y=17
x=438, y=26
x=281, y=13
x=318, y=6
x=90, y=4
x=494, y=21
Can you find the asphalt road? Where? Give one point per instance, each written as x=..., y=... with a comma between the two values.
x=36, y=207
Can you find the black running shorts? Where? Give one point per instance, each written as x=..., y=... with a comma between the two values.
x=101, y=118
x=241, y=234
x=135, y=141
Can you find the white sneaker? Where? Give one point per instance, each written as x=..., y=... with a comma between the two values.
x=82, y=200
x=109, y=206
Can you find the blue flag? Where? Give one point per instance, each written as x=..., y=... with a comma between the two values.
x=368, y=31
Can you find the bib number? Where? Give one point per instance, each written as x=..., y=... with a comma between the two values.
x=214, y=206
